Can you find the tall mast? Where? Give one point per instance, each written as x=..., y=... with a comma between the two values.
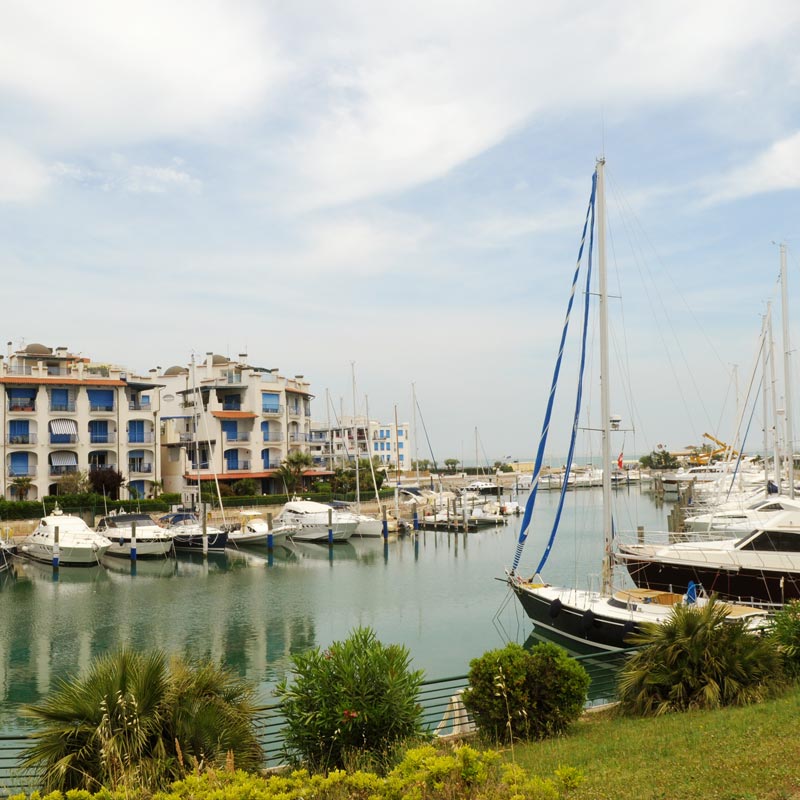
x=414, y=410
x=776, y=448
x=787, y=371
x=355, y=437
x=605, y=397
x=764, y=396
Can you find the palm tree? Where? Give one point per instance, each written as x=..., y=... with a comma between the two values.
x=698, y=659
x=134, y=722
x=292, y=468
x=22, y=483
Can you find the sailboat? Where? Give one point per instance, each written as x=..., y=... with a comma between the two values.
x=593, y=620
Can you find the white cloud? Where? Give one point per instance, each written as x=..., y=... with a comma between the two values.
x=22, y=177
x=122, y=72
x=775, y=169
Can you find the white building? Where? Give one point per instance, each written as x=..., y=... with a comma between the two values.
x=62, y=414
x=231, y=420
x=335, y=446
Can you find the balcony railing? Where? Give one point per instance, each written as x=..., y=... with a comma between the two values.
x=139, y=469
x=100, y=467
x=21, y=438
x=232, y=405
x=63, y=438
x=236, y=466
x=21, y=405
x=295, y=411
x=139, y=405
x=202, y=465
x=101, y=408
x=22, y=472
x=186, y=437
x=63, y=469
x=239, y=436
x=271, y=437
x=141, y=438
x=69, y=407
x=271, y=411
x=102, y=438
x=298, y=437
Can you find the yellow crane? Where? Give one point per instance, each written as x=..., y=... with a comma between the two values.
x=707, y=456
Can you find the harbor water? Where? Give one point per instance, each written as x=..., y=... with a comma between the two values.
x=438, y=593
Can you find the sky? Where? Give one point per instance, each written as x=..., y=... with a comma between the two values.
x=396, y=192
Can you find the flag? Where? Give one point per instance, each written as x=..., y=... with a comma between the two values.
x=619, y=461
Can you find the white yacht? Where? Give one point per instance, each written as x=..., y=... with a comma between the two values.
x=311, y=520
x=151, y=539
x=741, y=520
x=78, y=544
x=252, y=529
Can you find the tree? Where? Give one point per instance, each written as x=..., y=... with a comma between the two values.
x=451, y=464
x=133, y=723
x=423, y=464
x=22, y=483
x=291, y=470
x=106, y=482
x=698, y=659
x=357, y=699
x=246, y=487
x=74, y=483
x=659, y=459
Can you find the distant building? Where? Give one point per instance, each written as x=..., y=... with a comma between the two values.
x=335, y=446
x=230, y=420
x=62, y=414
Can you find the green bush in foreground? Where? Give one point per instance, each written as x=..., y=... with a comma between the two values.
x=785, y=634
x=353, y=704
x=525, y=694
x=133, y=722
x=425, y=774
x=697, y=659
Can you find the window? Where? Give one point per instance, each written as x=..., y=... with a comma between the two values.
x=101, y=399
x=270, y=401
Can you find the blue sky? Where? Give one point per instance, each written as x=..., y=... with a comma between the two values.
x=402, y=186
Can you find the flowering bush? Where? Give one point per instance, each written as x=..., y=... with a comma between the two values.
x=351, y=704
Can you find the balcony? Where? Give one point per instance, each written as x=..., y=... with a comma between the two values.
x=141, y=438
x=100, y=467
x=22, y=406
x=102, y=438
x=135, y=468
x=272, y=411
x=101, y=408
x=63, y=469
x=139, y=405
x=295, y=411
x=236, y=466
x=239, y=436
x=63, y=438
x=298, y=437
x=61, y=408
x=202, y=465
x=271, y=437
x=21, y=438
x=22, y=472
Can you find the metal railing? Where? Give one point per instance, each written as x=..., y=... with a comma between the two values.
x=271, y=437
x=239, y=436
x=139, y=405
x=141, y=438
x=22, y=472
x=443, y=714
x=21, y=438
x=104, y=408
x=139, y=469
x=18, y=406
x=68, y=407
x=102, y=438
x=63, y=438
x=63, y=469
x=272, y=410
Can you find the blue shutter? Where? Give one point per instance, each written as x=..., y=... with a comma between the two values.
x=19, y=464
x=98, y=431
x=230, y=428
x=19, y=429
x=59, y=399
x=270, y=401
x=231, y=459
x=137, y=486
x=265, y=431
x=136, y=431
x=265, y=458
x=101, y=399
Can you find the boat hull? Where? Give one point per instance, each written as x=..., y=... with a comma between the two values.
x=194, y=541
x=319, y=533
x=145, y=547
x=751, y=585
x=77, y=556
x=576, y=628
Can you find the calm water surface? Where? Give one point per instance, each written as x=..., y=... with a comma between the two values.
x=436, y=593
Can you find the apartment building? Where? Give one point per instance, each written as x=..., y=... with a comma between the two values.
x=229, y=420
x=62, y=413
x=336, y=445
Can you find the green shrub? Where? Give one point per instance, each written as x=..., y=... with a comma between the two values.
x=698, y=659
x=352, y=704
x=515, y=693
x=133, y=722
x=785, y=634
x=426, y=773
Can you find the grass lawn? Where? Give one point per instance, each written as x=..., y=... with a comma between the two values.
x=750, y=753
